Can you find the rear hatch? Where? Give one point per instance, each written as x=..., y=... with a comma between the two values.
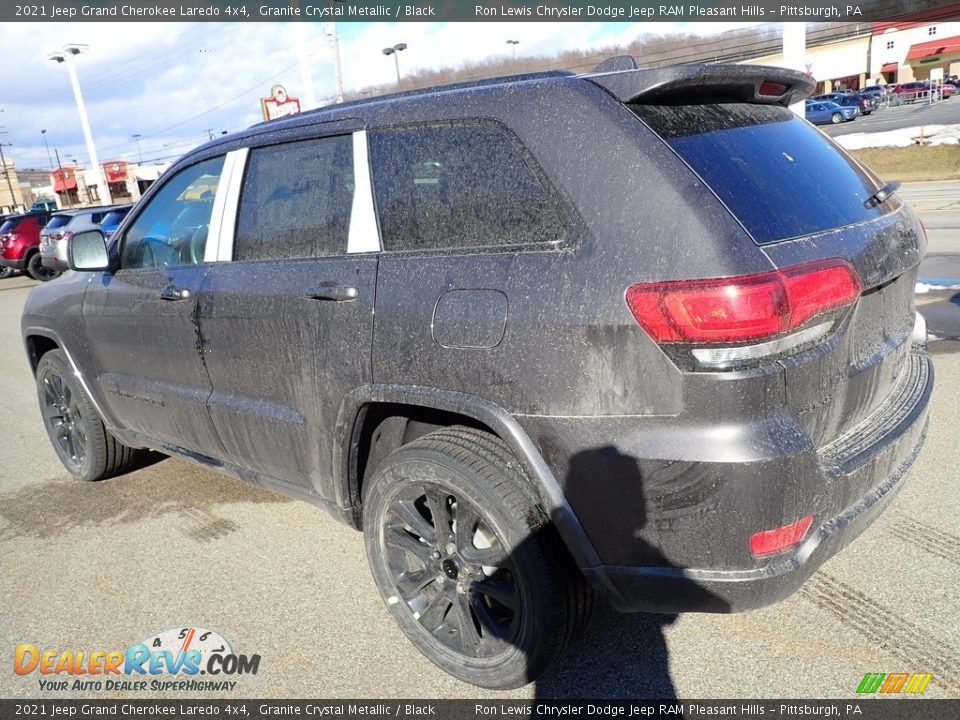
x=803, y=201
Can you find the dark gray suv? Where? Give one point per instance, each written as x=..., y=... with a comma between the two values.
x=641, y=332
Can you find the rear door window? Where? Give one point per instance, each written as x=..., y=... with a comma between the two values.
x=459, y=185
x=779, y=176
x=296, y=200
x=58, y=221
x=9, y=226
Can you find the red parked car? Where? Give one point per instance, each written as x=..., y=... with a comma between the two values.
x=20, y=246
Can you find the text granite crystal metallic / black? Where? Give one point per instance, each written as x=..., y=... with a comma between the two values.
x=638, y=332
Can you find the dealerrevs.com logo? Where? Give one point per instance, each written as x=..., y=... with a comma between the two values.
x=171, y=660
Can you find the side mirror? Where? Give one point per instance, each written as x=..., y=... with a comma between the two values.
x=87, y=251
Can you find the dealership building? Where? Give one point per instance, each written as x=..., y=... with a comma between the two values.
x=882, y=52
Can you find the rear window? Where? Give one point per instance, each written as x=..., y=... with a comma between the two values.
x=9, y=226
x=114, y=217
x=779, y=176
x=59, y=221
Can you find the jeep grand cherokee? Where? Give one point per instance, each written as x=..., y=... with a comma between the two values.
x=641, y=332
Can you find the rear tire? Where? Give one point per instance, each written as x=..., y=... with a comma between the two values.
x=39, y=271
x=82, y=442
x=455, y=504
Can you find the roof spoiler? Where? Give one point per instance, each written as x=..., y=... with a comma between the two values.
x=688, y=84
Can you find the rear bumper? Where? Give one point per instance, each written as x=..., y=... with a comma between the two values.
x=20, y=264
x=672, y=536
x=671, y=590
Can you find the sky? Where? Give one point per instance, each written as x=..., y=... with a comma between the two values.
x=173, y=83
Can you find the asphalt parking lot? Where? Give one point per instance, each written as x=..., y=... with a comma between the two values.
x=101, y=566
x=918, y=113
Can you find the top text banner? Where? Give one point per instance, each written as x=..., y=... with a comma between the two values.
x=458, y=10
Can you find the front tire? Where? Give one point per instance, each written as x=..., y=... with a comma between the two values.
x=82, y=442
x=467, y=562
x=6, y=272
x=39, y=271
x=836, y=118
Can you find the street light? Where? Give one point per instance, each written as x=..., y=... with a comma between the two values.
x=66, y=56
x=139, y=154
x=49, y=159
x=395, y=50
x=514, y=44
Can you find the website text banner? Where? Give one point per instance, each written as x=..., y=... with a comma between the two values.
x=864, y=709
x=465, y=10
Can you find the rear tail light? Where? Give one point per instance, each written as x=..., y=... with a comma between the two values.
x=67, y=235
x=55, y=236
x=745, y=308
x=767, y=542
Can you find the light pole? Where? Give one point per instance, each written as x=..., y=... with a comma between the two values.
x=49, y=159
x=513, y=44
x=139, y=154
x=395, y=50
x=66, y=56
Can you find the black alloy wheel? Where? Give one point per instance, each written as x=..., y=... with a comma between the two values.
x=39, y=271
x=64, y=420
x=82, y=442
x=467, y=560
x=451, y=570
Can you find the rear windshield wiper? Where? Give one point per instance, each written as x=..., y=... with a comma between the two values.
x=882, y=194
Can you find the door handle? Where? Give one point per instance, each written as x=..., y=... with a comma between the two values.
x=174, y=293
x=337, y=293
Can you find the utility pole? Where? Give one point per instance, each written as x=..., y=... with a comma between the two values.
x=337, y=70
x=139, y=154
x=60, y=168
x=795, y=53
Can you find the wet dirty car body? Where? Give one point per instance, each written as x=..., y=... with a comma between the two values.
x=662, y=345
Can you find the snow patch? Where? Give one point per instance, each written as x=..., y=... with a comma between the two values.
x=904, y=137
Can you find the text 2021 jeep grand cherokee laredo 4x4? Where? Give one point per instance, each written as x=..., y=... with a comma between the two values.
x=638, y=331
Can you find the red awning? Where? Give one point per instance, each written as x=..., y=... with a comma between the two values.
x=61, y=185
x=933, y=48
x=889, y=67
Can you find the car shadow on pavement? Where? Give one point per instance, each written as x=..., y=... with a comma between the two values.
x=195, y=495
x=626, y=655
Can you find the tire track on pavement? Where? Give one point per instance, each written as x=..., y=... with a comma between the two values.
x=936, y=542
x=916, y=648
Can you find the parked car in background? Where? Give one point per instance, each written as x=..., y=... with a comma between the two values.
x=740, y=395
x=111, y=222
x=43, y=205
x=863, y=103
x=20, y=245
x=822, y=113
x=63, y=225
x=918, y=90
x=947, y=90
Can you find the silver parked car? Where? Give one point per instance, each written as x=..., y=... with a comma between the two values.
x=64, y=225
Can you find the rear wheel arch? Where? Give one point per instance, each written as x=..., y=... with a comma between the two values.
x=405, y=413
